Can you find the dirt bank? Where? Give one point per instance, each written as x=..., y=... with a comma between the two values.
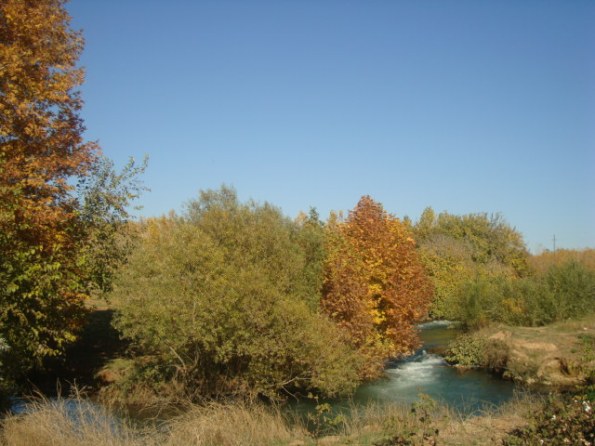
x=560, y=355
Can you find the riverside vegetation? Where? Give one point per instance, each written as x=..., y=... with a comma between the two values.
x=222, y=313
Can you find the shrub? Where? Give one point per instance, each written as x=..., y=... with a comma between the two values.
x=218, y=302
x=574, y=287
x=467, y=351
x=567, y=420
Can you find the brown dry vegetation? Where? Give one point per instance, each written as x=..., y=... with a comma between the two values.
x=58, y=424
x=541, y=262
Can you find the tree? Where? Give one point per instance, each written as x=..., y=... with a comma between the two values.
x=492, y=241
x=220, y=301
x=460, y=249
x=105, y=235
x=449, y=265
x=46, y=229
x=375, y=286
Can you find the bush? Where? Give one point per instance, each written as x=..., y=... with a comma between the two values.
x=566, y=420
x=574, y=287
x=467, y=351
x=217, y=302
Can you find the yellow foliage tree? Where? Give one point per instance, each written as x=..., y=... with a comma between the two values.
x=375, y=286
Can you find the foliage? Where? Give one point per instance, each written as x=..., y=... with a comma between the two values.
x=467, y=351
x=475, y=350
x=449, y=266
x=491, y=240
x=565, y=291
x=324, y=421
x=424, y=432
x=564, y=420
x=41, y=148
x=103, y=198
x=375, y=287
x=311, y=238
x=219, y=299
x=457, y=249
x=56, y=245
x=573, y=286
x=540, y=263
x=587, y=348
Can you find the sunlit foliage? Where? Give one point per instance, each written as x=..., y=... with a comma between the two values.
x=221, y=299
x=52, y=237
x=41, y=149
x=540, y=263
x=458, y=249
x=565, y=291
x=375, y=286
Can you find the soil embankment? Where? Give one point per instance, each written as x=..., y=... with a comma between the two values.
x=560, y=355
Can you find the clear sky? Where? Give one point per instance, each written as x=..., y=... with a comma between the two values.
x=465, y=106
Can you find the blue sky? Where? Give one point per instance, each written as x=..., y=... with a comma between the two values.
x=465, y=106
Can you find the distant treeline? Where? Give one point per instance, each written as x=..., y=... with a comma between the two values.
x=482, y=272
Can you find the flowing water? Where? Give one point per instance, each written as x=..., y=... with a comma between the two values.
x=426, y=372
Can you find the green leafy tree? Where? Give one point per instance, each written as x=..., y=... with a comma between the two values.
x=457, y=250
x=104, y=197
x=221, y=300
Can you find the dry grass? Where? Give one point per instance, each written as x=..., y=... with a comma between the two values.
x=556, y=355
x=492, y=425
x=398, y=424
x=231, y=425
x=68, y=423
x=75, y=422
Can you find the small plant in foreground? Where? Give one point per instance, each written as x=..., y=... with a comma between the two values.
x=567, y=420
x=324, y=421
x=423, y=431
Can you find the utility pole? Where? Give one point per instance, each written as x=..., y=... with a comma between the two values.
x=554, y=239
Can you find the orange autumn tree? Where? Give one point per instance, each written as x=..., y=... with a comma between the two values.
x=375, y=287
x=42, y=154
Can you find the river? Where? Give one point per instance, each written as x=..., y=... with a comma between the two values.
x=426, y=372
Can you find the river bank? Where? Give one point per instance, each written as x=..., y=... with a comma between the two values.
x=557, y=356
